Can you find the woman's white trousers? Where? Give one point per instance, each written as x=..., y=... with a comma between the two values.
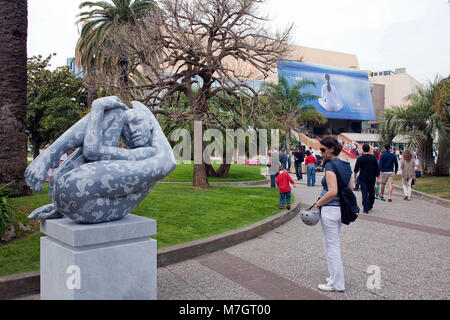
x=406, y=184
x=331, y=225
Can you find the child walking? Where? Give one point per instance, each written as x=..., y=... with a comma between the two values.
x=282, y=181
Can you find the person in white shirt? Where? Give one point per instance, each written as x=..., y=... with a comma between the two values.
x=330, y=100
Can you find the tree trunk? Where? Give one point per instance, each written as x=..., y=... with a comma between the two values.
x=210, y=172
x=224, y=168
x=222, y=171
x=443, y=160
x=13, y=93
x=200, y=174
x=123, y=68
x=91, y=86
x=428, y=160
x=36, y=146
x=288, y=140
x=200, y=177
x=442, y=165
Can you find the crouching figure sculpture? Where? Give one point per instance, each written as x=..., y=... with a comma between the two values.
x=100, y=181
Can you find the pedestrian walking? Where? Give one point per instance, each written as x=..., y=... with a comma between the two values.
x=408, y=173
x=388, y=166
x=376, y=153
x=283, y=181
x=367, y=167
x=272, y=167
x=299, y=157
x=310, y=163
x=285, y=160
x=330, y=210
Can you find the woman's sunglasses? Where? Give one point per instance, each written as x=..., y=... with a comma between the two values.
x=322, y=150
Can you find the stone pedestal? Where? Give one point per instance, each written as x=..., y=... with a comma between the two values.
x=105, y=261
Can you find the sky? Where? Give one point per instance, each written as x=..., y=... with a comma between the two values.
x=383, y=34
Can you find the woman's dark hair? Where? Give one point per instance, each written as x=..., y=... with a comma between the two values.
x=330, y=142
x=308, y=153
x=327, y=77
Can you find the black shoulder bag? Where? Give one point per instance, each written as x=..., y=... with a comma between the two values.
x=349, y=205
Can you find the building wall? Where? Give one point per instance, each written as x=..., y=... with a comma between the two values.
x=378, y=100
x=70, y=62
x=397, y=87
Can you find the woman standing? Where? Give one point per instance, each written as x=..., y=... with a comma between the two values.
x=408, y=173
x=329, y=205
x=310, y=163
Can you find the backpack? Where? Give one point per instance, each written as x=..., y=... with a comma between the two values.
x=349, y=205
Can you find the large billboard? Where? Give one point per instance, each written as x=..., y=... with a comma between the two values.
x=342, y=93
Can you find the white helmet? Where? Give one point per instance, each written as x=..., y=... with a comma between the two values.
x=310, y=217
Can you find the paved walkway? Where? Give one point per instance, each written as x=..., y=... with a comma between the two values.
x=408, y=242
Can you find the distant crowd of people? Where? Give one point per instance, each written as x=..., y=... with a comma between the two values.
x=373, y=170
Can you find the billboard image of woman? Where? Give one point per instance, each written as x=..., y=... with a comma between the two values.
x=330, y=100
x=344, y=93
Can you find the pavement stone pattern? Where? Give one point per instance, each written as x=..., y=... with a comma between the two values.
x=409, y=241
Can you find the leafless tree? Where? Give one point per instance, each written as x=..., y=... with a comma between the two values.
x=202, y=49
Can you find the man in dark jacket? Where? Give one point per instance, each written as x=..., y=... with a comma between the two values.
x=388, y=166
x=367, y=166
x=299, y=157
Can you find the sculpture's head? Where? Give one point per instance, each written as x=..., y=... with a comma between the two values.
x=137, y=131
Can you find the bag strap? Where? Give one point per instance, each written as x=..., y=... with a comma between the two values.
x=338, y=175
x=313, y=204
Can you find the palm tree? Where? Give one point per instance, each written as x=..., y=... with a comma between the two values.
x=441, y=98
x=388, y=128
x=288, y=105
x=441, y=105
x=98, y=23
x=13, y=93
x=420, y=122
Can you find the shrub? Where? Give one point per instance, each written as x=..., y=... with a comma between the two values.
x=7, y=191
x=7, y=220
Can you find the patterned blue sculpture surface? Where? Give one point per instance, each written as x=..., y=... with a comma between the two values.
x=100, y=181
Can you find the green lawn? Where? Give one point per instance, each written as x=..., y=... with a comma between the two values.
x=436, y=186
x=183, y=214
x=238, y=172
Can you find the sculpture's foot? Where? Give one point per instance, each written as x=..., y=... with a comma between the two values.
x=46, y=212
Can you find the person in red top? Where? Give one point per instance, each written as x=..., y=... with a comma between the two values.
x=310, y=163
x=282, y=181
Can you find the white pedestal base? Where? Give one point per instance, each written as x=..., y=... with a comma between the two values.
x=107, y=261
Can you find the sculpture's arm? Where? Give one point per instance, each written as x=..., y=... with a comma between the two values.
x=36, y=172
x=117, y=153
x=164, y=161
x=94, y=148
